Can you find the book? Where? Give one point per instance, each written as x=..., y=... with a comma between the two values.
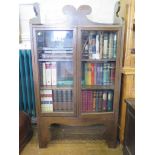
x=110, y=54
x=110, y=101
x=89, y=73
x=104, y=106
x=46, y=100
x=92, y=74
x=99, y=100
x=112, y=73
x=44, y=74
x=54, y=73
x=94, y=100
x=101, y=45
x=96, y=54
x=105, y=45
x=92, y=44
x=48, y=72
x=114, y=45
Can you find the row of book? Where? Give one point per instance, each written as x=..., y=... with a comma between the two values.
x=56, y=53
x=97, y=101
x=98, y=73
x=56, y=73
x=99, y=45
x=56, y=100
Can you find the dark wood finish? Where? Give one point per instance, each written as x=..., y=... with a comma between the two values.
x=129, y=141
x=25, y=130
x=77, y=21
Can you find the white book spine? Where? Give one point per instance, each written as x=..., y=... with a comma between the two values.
x=48, y=74
x=105, y=52
x=44, y=73
x=110, y=45
x=54, y=73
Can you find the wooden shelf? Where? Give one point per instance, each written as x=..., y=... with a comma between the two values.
x=56, y=59
x=99, y=60
x=56, y=87
x=98, y=87
x=96, y=113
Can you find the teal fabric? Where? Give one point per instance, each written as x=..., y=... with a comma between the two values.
x=26, y=85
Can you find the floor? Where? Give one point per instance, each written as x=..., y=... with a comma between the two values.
x=70, y=147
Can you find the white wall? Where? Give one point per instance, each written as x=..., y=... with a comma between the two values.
x=51, y=12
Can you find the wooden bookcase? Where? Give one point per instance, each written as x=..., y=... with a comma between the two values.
x=88, y=76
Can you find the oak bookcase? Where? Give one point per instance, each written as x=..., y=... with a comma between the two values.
x=77, y=78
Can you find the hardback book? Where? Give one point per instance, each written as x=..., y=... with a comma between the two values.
x=94, y=101
x=101, y=45
x=105, y=44
x=86, y=73
x=96, y=54
x=100, y=101
x=84, y=101
x=46, y=100
x=104, y=106
x=54, y=73
x=48, y=70
x=44, y=73
x=92, y=74
x=89, y=73
x=114, y=45
x=112, y=72
x=110, y=101
x=110, y=54
x=92, y=44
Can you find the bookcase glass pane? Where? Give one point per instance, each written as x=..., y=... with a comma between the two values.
x=54, y=39
x=55, y=59
x=99, y=44
x=97, y=100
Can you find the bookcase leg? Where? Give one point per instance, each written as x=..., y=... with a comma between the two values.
x=111, y=135
x=43, y=135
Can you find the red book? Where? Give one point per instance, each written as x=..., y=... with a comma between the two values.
x=92, y=74
x=84, y=101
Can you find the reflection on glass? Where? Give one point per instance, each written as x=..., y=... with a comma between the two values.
x=55, y=53
x=58, y=40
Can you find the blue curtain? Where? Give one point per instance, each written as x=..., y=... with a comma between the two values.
x=26, y=86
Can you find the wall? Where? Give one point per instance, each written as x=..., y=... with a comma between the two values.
x=51, y=12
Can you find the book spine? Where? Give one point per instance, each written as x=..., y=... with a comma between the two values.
x=108, y=73
x=110, y=55
x=101, y=45
x=114, y=45
x=48, y=74
x=83, y=101
x=94, y=100
x=41, y=74
x=92, y=74
x=112, y=73
x=89, y=73
x=100, y=101
x=54, y=73
x=105, y=51
x=101, y=74
x=86, y=73
x=97, y=98
x=104, y=106
x=44, y=73
x=104, y=74
x=110, y=101
x=97, y=54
